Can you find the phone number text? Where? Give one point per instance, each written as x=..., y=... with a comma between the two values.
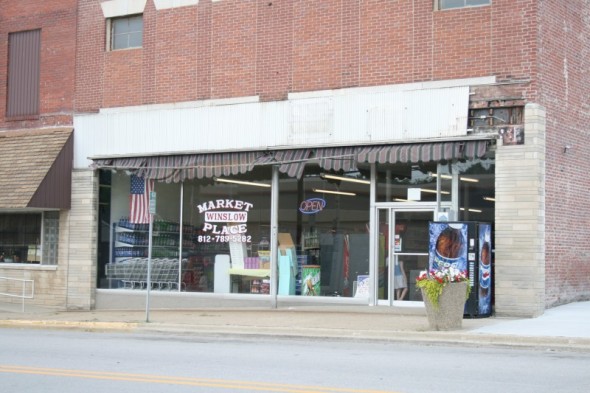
x=224, y=239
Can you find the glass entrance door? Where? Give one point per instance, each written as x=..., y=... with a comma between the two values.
x=402, y=252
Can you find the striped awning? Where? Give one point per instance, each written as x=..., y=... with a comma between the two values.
x=422, y=152
x=178, y=168
x=292, y=162
x=186, y=167
x=337, y=158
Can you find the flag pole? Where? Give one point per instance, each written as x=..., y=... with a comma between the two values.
x=152, y=211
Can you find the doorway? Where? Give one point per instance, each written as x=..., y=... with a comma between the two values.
x=402, y=252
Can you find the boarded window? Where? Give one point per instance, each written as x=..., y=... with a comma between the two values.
x=24, y=50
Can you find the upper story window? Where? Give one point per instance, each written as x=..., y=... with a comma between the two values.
x=24, y=49
x=126, y=32
x=447, y=4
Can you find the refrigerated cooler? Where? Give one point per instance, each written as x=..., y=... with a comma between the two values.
x=467, y=246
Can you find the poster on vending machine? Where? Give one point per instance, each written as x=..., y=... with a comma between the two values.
x=485, y=269
x=448, y=246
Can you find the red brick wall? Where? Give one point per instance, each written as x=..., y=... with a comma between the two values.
x=123, y=78
x=57, y=21
x=274, y=47
x=270, y=48
x=233, y=48
x=90, y=56
x=564, y=65
x=175, y=55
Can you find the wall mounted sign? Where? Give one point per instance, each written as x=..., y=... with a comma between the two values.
x=512, y=135
x=225, y=220
x=312, y=205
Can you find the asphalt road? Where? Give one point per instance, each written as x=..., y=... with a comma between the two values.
x=35, y=360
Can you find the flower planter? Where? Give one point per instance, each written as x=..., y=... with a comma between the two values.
x=451, y=305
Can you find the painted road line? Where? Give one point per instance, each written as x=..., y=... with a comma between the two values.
x=175, y=380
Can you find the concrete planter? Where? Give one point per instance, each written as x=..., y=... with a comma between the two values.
x=451, y=304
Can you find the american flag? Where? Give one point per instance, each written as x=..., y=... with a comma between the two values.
x=140, y=200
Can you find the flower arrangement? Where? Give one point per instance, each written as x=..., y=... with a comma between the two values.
x=434, y=281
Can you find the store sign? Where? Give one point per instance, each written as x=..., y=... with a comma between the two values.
x=312, y=205
x=225, y=220
x=152, y=202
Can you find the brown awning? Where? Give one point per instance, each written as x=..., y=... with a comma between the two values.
x=36, y=168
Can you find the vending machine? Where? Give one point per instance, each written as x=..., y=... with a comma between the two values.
x=467, y=246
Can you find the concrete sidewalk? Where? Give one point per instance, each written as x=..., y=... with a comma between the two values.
x=560, y=328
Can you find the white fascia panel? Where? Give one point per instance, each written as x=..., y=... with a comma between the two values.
x=116, y=8
x=486, y=80
x=167, y=4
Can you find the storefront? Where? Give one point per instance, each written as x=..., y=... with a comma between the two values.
x=315, y=223
x=37, y=169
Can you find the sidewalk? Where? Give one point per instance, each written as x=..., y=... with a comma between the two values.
x=560, y=328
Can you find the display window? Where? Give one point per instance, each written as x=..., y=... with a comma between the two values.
x=208, y=235
x=29, y=238
x=324, y=225
x=228, y=250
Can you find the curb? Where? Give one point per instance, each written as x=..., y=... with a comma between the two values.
x=456, y=338
x=82, y=325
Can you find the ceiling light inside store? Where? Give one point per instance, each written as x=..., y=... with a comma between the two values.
x=343, y=178
x=489, y=199
x=434, y=191
x=244, y=183
x=471, y=210
x=462, y=178
x=334, y=192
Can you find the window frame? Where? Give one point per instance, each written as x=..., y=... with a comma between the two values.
x=110, y=33
x=439, y=7
x=46, y=243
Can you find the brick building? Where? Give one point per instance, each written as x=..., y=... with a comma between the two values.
x=37, y=73
x=349, y=127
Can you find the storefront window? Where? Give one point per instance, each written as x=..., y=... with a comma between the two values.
x=476, y=190
x=225, y=231
x=323, y=223
x=228, y=249
x=22, y=236
x=407, y=183
x=418, y=183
